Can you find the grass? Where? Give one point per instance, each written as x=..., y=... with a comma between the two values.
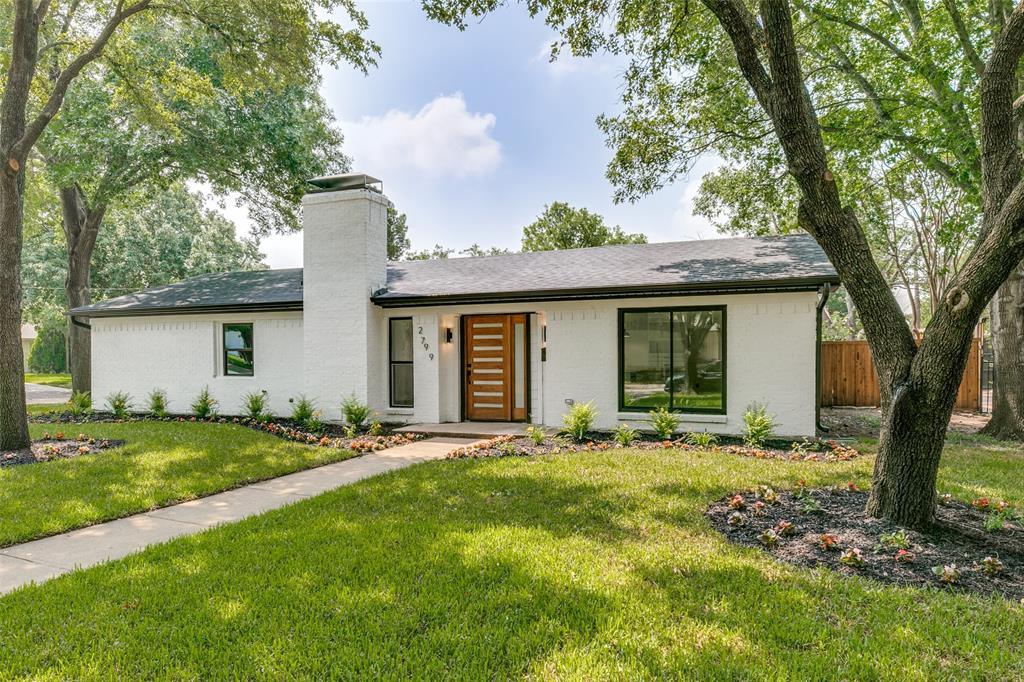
x=593, y=565
x=161, y=463
x=61, y=380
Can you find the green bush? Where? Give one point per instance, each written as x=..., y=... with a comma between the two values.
x=536, y=434
x=157, y=403
x=356, y=412
x=48, y=354
x=702, y=439
x=303, y=409
x=625, y=435
x=579, y=420
x=80, y=403
x=758, y=425
x=255, y=405
x=205, y=405
x=664, y=422
x=119, y=403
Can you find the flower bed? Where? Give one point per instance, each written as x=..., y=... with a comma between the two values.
x=976, y=548
x=329, y=436
x=511, y=446
x=57, y=446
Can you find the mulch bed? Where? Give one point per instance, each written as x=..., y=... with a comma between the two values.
x=57, y=446
x=828, y=527
x=522, y=446
x=328, y=435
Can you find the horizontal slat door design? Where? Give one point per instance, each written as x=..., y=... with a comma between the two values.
x=487, y=348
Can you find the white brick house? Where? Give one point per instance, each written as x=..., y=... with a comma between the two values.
x=703, y=327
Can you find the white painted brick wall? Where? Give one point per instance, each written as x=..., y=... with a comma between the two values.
x=344, y=261
x=183, y=353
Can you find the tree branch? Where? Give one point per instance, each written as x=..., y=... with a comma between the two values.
x=1000, y=157
x=964, y=37
x=35, y=128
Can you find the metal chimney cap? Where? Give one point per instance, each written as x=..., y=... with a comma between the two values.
x=337, y=183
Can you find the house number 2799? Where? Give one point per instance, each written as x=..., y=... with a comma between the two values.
x=423, y=340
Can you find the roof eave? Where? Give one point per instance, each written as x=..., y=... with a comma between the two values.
x=704, y=289
x=187, y=310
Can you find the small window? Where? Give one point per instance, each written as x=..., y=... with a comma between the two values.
x=400, y=361
x=672, y=358
x=238, y=350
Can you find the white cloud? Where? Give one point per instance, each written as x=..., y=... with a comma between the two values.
x=443, y=139
x=567, y=64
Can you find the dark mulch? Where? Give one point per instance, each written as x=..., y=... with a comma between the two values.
x=522, y=446
x=56, y=447
x=959, y=539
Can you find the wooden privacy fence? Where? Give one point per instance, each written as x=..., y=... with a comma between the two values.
x=848, y=377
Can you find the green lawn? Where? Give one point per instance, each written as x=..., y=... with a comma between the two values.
x=161, y=463
x=594, y=565
x=61, y=380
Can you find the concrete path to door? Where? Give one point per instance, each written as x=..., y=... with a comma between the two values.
x=39, y=394
x=40, y=560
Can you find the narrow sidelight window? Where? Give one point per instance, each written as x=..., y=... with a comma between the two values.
x=238, y=350
x=400, y=361
x=672, y=357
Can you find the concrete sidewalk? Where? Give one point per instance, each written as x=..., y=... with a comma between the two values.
x=41, y=560
x=40, y=394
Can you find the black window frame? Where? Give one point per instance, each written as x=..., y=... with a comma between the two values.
x=392, y=362
x=671, y=354
x=224, y=347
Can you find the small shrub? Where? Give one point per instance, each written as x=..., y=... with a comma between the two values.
x=376, y=429
x=303, y=409
x=48, y=353
x=737, y=502
x=768, y=495
x=508, y=449
x=811, y=506
x=735, y=519
x=119, y=404
x=536, y=434
x=828, y=541
x=625, y=435
x=947, y=574
x=896, y=540
x=759, y=508
x=758, y=426
x=991, y=565
x=769, y=538
x=785, y=529
x=702, y=439
x=80, y=403
x=356, y=412
x=579, y=420
x=995, y=522
x=904, y=556
x=314, y=423
x=205, y=405
x=254, y=405
x=664, y=422
x=156, y=403
x=852, y=557
x=351, y=432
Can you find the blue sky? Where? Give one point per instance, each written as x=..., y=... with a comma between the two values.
x=474, y=132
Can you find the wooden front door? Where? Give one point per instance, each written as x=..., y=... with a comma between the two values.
x=494, y=352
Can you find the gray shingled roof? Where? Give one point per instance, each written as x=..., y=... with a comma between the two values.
x=255, y=290
x=745, y=264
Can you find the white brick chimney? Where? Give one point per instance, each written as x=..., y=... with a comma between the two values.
x=344, y=263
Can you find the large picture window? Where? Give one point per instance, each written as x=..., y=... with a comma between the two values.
x=400, y=361
x=672, y=357
x=238, y=350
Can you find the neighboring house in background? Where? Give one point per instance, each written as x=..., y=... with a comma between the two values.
x=28, y=337
x=703, y=327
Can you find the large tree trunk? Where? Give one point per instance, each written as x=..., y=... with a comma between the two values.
x=81, y=227
x=1008, y=347
x=13, y=419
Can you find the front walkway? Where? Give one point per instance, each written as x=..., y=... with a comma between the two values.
x=41, y=560
x=40, y=394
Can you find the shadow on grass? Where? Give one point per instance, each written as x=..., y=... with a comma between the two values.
x=583, y=566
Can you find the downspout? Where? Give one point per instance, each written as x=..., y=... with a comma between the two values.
x=823, y=294
x=78, y=323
